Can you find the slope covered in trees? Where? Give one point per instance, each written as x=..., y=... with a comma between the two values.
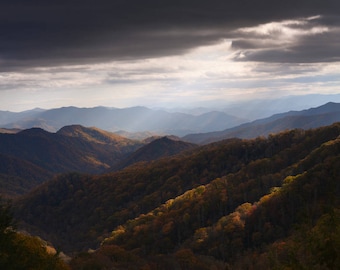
x=32, y=156
x=63, y=152
x=21, y=251
x=265, y=216
x=18, y=176
x=99, y=136
x=189, y=206
x=157, y=148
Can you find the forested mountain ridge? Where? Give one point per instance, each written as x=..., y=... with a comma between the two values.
x=33, y=156
x=184, y=230
x=76, y=212
x=157, y=148
x=96, y=135
x=18, y=176
x=228, y=224
x=57, y=152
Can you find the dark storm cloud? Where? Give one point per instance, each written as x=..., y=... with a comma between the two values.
x=315, y=39
x=321, y=48
x=50, y=33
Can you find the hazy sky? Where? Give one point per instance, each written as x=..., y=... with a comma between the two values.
x=122, y=53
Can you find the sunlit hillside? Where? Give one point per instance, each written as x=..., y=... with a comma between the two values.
x=213, y=205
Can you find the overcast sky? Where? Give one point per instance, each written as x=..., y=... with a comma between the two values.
x=122, y=53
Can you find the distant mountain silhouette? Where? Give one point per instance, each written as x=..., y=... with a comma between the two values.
x=263, y=108
x=158, y=148
x=9, y=117
x=135, y=119
x=312, y=118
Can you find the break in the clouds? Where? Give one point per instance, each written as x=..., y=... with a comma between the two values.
x=121, y=53
x=295, y=41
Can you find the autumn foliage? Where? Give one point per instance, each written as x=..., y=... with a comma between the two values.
x=267, y=203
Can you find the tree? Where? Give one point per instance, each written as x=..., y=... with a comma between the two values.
x=19, y=251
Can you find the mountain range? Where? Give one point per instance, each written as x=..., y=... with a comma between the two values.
x=93, y=150
x=34, y=155
x=135, y=119
x=226, y=199
x=232, y=203
x=311, y=118
x=210, y=117
x=263, y=108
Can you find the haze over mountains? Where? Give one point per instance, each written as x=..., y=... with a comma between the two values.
x=141, y=122
x=311, y=118
x=201, y=195
x=179, y=122
x=129, y=119
x=38, y=154
x=170, y=135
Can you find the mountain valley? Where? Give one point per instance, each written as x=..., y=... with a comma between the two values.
x=226, y=199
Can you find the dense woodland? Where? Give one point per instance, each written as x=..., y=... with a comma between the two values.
x=266, y=203
x=31, y=157
x=21, y=251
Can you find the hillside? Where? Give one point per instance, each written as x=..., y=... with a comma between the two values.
x=19, y=176
x=161, y=206
x=297, y=223
x=18, y=250
x=157, y=148
x=312, y=118
x=60, y=153
x=98, y=136
x=32, y=156
x=197, y=223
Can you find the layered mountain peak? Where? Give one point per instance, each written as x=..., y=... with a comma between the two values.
x=158, y=148
x=92, y=134
x=35, y=131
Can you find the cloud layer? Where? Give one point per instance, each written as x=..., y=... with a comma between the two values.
x=129, y=52
x=51, y=33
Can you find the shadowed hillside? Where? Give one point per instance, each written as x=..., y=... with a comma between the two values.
x=158, y=148
x=18, y=176
x=265, y=216
x=33, y=156
x=162, y=204
x=60, y=153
